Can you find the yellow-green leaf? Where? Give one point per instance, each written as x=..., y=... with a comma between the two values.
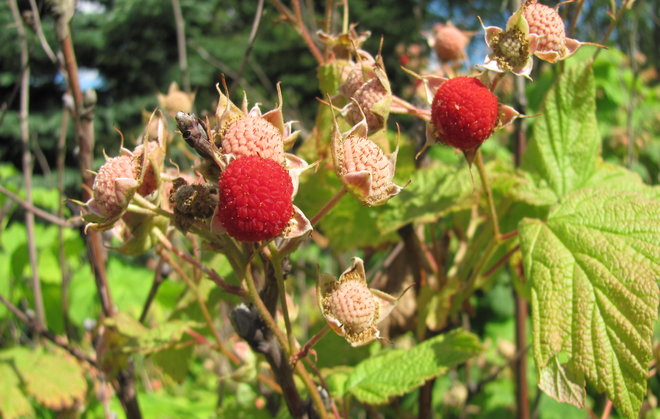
x=594, y=268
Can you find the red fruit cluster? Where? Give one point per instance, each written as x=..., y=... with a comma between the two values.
x=255, y=199
x=464, y=113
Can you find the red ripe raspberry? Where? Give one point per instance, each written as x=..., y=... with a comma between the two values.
x=464, y=113
x=255, y=199
x=546, y=22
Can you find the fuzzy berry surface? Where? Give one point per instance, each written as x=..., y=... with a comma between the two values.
x=464, y=113
x=353, y=305
x=253, y=136
x=255, y=199
x=108, y=199
x=546, y=23
x=450, y=42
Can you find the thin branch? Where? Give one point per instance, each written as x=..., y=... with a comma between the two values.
x=180, y=24
x=213, y=275
x=329, y=205
x=248, y=48
x=500, y=262
x=37, y=211
x=38, y=29
x=85, y=139
x=302, y=28
x=57, y=340
x=27, y=162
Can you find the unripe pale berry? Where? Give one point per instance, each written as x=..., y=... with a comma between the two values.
x=545, y=22
x=107, y=198
x=360, y=153
x=353, y=305
x=255, y=199
x=253, y=136
x=449, y=42
x=464, y=113
x=367, y=96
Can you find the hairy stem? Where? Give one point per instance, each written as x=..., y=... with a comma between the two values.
x=489, y=196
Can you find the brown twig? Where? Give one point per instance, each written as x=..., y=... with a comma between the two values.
x=53, y=219
x=38, y=29
x=500, y=262
x=607, y=410
x=574, y=18
x=248, y=48
x=329, y=205
x=180, y=25
x=302, y=29
x=27, y=162
x=57, y=340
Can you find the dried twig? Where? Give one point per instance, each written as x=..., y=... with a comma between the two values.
x=27, y=162
x=54, y=219
x=180, y=24
x=57, y=340
x=248, y=48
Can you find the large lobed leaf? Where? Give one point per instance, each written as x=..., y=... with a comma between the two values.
x=565, y=141
x=399, y=371
x=13, y=403
x=593, y=268
x=55, y=379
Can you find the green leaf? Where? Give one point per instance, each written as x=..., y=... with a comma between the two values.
x=54, y=379
x=593, y=268
x=13, y=403
x=565, y=141
x=399, y=371
x=174, y=363
x=140, y=339
x=433, y=192
x=560, y=382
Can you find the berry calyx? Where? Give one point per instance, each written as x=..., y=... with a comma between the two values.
x=464, y=113
x=255, y=199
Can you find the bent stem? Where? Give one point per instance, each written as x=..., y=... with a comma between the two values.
x=327, y=207
x=489, y=196
x=308, y=346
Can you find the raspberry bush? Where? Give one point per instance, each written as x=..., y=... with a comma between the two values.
x=453, y=238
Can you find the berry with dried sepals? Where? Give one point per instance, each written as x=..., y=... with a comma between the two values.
x=350, y=307
x=464, y=113
x=363, y=166
x=255, y=200
x=113, y=187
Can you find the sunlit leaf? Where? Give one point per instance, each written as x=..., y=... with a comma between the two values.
x=13, y=404
x=593, y=268
x=396, y=372
x=565, y=141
